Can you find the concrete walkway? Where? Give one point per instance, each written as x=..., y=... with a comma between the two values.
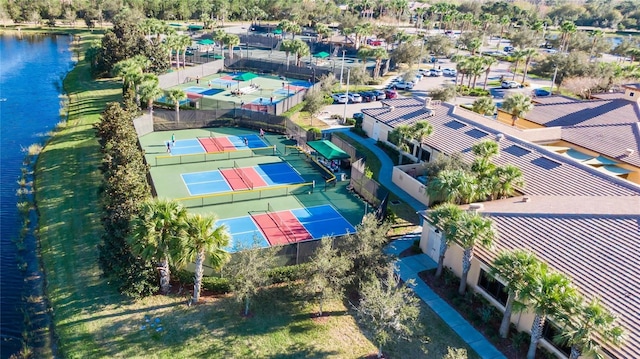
x=386, y=170
x=408, y=268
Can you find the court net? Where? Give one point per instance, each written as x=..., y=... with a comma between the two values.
x=216, y=144
x=243, y=176
x=212, y=199
x=166, y=160
x=275, y=217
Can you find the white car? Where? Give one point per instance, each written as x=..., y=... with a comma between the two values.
x=509, y=85
x=355, y=98
x=402, y=85
x=435, y=72
x=450, y=72
x=340, y=98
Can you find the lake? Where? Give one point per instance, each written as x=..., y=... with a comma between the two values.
x=31, y=72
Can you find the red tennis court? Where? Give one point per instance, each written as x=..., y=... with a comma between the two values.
x=281, y=228
x=216, y=144
x=243, y=178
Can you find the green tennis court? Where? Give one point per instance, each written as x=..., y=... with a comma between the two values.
x=288, y=193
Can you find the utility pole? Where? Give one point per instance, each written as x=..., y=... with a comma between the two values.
x=344, y=114
x=342, y=69
x=553, y=80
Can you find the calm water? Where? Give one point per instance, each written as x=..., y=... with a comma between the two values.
x=31, y=73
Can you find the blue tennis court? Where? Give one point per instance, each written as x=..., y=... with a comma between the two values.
x=222, y=82
x=195, y=89
x=278, y=173
x=244, y=234
x=284, y=92
x=305, y=84
x=186, y=147
x=262, y=101
x=254, y=141
x=319, y=221
x=211, y=92
x=323, y=220
x=199, y=183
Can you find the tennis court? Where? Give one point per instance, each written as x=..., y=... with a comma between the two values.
x=275, y=228
x=217, y=144
x=240, y=178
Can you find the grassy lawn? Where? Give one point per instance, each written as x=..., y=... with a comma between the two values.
x=93, y=321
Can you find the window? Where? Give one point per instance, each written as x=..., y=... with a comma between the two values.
x=493, y=287
x=426, y=156
x=550, y=331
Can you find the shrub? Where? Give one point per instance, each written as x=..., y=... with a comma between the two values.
x=359, y=131
x=415, y=247
x=350, y=122
x=216, y=285
x=288, y=273
x=313, y=134
x=520, y=339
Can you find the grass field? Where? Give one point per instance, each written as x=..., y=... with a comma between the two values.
x=93, y=321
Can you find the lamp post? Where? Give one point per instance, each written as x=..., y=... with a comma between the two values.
x=342, y=68
x=344, y=113
x=553, y=80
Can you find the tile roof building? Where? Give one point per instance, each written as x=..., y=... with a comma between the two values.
x=607, y=126
x=575, y=217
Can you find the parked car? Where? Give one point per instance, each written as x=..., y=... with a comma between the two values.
x=450, y=72
x=509, y=85
x=418, y=77
x=402, y=85
x=380, y=95
x=423, y=72
x=541, y=92
x=355, y=97
x=340, y=98
x=509, y=49
x=390, y=94
x=435, y=72
x=368, y=96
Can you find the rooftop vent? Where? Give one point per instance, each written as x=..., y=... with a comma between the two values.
x=526, y=199
x=499, y=137
x=475, y=207
x=629, y=152
x=391, y=108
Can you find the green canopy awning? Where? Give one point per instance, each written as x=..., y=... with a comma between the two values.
x=322, y=55
x=600, y=160
x=206, y=42
x=328, y=150
x=196, y=27
x=277, y=31
x=247, y=76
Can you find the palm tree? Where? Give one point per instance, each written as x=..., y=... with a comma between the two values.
x=219, y=36
x=323, y=31
x=363, y=54
x=505, y=22
x=301, y=49
x=156, y=234
x=202, y=241
x=419, y=132
x=379, y=54
x=175, y=96
x=484, y=106
x=517, y=56
x=455, y=186
x=514, y=268
x=547, y=294
x=488, y=61
x=150, y=91
x=517, y=105
x=476, y=67
x=402, y=132
x=508, y=177
x=474, y=45
x=588, y=327
x=472, y=229
x=231, y=40
x=528, y=55
x=444, y=218
x=183, y=42
x=566, y=29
